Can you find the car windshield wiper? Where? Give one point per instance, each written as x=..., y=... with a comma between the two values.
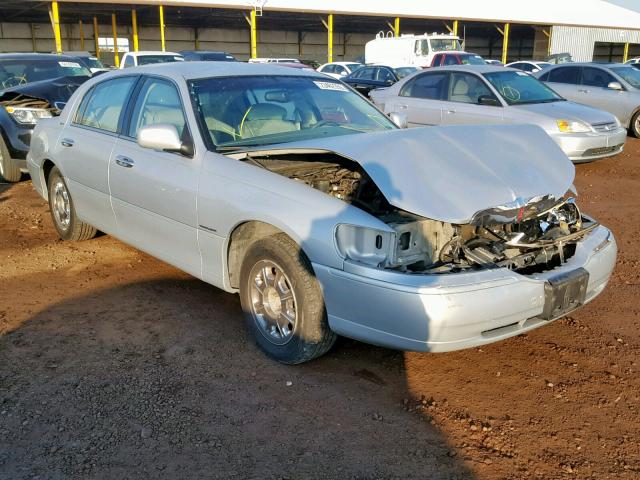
x=548, y=100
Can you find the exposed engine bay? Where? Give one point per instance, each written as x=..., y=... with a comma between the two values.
x=527, y=236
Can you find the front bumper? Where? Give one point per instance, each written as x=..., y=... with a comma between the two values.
x=585, y=147
x=445, y=312
x=17, y=139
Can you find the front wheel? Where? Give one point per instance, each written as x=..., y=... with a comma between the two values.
x=8, y=168
x=63, y=213
x=635, y=125
x=282, y=301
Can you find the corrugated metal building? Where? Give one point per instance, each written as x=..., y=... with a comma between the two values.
x=586, y=44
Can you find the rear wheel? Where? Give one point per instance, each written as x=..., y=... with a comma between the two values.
x=635, y=125
x=282, y=301
x=63, y=213
x=9, y=171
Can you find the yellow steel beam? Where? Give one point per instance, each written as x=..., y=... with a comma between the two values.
x=505, y=43
x=96, y=35
x=116, y=55
x=161, y=10
x=254, y=34
x=81, y=31
x=330, y=38
x=396, y=27
x=625, y=57
x=134, y=29
x=55, y=20
x=455, y=27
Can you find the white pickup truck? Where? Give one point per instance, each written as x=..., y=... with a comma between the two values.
x=414, y=50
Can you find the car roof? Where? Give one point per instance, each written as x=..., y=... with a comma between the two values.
x=152, y=52
x=197, y=70
x=473, y=68
x=590, y=64
x=36, y=56
x=203, y=51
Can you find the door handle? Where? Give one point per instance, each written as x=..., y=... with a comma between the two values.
x=450, y=111
x=67, y=142
x=403, y=107
x=123, y=161
x=583, y=90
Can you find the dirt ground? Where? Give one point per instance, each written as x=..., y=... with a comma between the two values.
x=115, y=365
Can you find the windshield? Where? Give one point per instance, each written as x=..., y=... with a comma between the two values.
x=445, y=44
x=93, y=62
x=629, y=75
x=519, y=88
x=472, y=60
x=21, y=72
x=150, y=59
x=262, y=110
x=402, y=72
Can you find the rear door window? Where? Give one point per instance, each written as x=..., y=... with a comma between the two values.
x=567, y=75
x=103, y=108
x=450, y=60
x=430, y=86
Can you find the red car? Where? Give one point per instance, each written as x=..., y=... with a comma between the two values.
x=456, y=58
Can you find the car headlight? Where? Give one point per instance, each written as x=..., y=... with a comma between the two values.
x=364, y=245
x=571, y=126
x=28, y=115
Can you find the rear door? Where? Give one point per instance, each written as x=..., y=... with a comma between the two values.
x=86, y=145
x=421, y=99
x=564, y=80
x=462, y=105
x=154, y=192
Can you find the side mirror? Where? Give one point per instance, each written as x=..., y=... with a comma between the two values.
x=389, y=82
x=163, y=137
x=488, y=100
x=614, y=86
x=400, y=119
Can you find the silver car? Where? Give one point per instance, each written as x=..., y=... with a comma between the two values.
x=488, y=94
x=613, y=87
x=294, y=191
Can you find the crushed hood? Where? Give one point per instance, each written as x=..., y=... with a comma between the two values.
x=53, y=90
x=450, y=173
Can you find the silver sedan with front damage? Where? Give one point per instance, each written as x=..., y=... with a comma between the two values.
x=486, y=94
x=291, y=189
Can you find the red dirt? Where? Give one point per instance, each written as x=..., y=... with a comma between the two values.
x=115, y=365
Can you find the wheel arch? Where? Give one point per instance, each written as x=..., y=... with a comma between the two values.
x=243, y=235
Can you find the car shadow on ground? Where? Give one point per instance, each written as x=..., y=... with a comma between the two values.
x=158, y=379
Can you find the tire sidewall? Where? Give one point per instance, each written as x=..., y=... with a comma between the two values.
x=8, y=170
x=307, y=314
x=65, y=234
x=634, y=127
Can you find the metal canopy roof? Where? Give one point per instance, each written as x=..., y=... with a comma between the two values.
x=623, y=14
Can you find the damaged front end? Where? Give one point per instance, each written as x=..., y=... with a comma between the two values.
x=527, y=235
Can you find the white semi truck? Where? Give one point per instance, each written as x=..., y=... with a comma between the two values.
x=405, y=50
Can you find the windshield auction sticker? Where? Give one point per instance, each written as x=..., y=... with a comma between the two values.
x=331, y=86
x=69, y=64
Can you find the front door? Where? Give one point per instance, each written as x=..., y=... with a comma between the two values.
x=154, y=192
x=463, y=102
x=421, y=99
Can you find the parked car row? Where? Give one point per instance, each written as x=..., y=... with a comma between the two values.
x=289, y=188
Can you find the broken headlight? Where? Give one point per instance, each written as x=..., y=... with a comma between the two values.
x=363, y=244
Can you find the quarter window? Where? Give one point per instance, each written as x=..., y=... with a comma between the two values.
x=430, y=86
x=158, y=103
x=564, y=75
x=104, y=107
x=128, y=62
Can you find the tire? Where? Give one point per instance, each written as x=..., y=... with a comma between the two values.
x=635, y=125
x=63, y=213
x=9, y=171
x=277, y=266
